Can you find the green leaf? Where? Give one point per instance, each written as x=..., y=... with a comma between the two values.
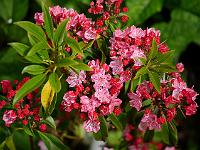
x=34, y=69
x=34, y=29
x=115, y=121
x=50, y=121
x=6, y=9
x=37, y=48
x=28, y=131
x=146, y=102
x=20, y=48
x=155, y=79
x=34, y=59
x=140, y=72
x=81, y=66
x=153, y=51
x=52, y=142
x=103, y=127
x=98, y=136
x=28, y=87
x=74, y=46
x=9, y=143
x=83, y=46
x=60, y=31
x=165, y=68
x=55, y=82
x=66, y=62
x=169, y=133
x=47, y=21
x=143, y=9
x=164, y=57
x=148, y=136
x=31, y=39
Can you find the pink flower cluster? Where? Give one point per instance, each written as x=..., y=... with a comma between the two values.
x=129, y=46
x=174, y=95
x=78, y=24
x=94, y=93
x=26, y=110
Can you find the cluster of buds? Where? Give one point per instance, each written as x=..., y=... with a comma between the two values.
x=25, y=112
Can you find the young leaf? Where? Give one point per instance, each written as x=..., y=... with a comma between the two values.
x=81, y=66
x=74, y=46
x=34, y=69
x=34, y=29
x=37, y=48
x=20, y=48
x=155, y=79
x=55, y=82
x=47, y=95
x=47, y=21
x=66, y=62
x=60, y=32
x=115, y=121
x=29, y=86
x=103, y=127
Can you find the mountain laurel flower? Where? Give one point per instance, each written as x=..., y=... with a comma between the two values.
x=9, y=117
x=91, y=126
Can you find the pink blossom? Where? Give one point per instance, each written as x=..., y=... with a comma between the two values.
x=178, y=87
x=75, y=79
x=149, y=121
x=117, y=66
x=119, y=34
x=170, y=148
x=56, y=11
x=39, y=18
x=180, y=67
x=90, y=34
x=68, y=100
x=2, y=104
x=91, y=125
x=9, y=117
x=136, y=32
x=136, y=55
x=125, y=76
x=114, y=102
x=136, y=101
x=171, y=114
x=89, y=105
x=42, y=145
x=191, y=109
x=6, y=86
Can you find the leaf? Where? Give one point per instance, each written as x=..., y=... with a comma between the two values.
x=146, y=102
x=164, y=57
x=81, y=66
x=52, y=142
x=57, y=142
x=83, y=46
x=34, y=29
x=6, y=9
x=66, y=62
x=55, y=82
x=20, y=9
x=115, y=121
x=60, y=31
x=28, y=131
x=34, y=59
x=50, y=121
x=32, y=39
x=34, y=69
x=143, y=9
x=169, y=133
x=154, y=51
x=165, y=68
x=74, y=46
x=37, y=48
x=155, y=79
x=47, y=95
x=103, y=127
x=148, y=136
x=47, y=21
x=20, y=48
x=9, y=143
x=140, y=72
x=29, y=86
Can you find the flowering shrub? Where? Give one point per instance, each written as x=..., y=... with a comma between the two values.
x=117, y=80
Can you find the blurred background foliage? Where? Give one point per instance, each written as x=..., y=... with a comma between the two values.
x=178, y=20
